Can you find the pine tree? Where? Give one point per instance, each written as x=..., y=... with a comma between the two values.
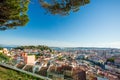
x=13, y=13
x=62, y=7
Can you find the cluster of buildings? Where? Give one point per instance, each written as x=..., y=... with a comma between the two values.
x=67, y=65
x=105, y=63
x=5, y=51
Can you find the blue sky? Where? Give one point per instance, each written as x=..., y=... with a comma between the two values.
x=94, y=25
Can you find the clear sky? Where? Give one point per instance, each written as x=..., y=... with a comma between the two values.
x=95, y=25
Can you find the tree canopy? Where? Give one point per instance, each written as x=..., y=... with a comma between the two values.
x=40, y=47
x=62, y=7
x=111, y=59
x=13, y=13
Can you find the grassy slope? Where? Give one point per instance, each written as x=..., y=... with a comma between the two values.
x=7, y=74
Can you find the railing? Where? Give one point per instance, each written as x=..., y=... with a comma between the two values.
x=20, y=70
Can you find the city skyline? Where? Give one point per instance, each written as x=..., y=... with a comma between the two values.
x=94, y=25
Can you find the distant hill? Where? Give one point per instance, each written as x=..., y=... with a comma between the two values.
x=81, y=48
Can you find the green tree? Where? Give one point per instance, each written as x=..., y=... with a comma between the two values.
x=4, y=57
x=39, y=47
x=62, y=7
x=13, y=13
x=111, y=60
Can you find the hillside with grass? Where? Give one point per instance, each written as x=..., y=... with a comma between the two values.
x=7, y=74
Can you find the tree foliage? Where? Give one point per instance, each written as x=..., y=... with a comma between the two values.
x=4, y=57
x=111, y=60
x=62, y=7
x=39, y=47
x=13, y=13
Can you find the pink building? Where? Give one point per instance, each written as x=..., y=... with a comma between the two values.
x=30, y=59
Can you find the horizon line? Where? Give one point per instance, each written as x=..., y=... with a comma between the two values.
x=7, y=45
